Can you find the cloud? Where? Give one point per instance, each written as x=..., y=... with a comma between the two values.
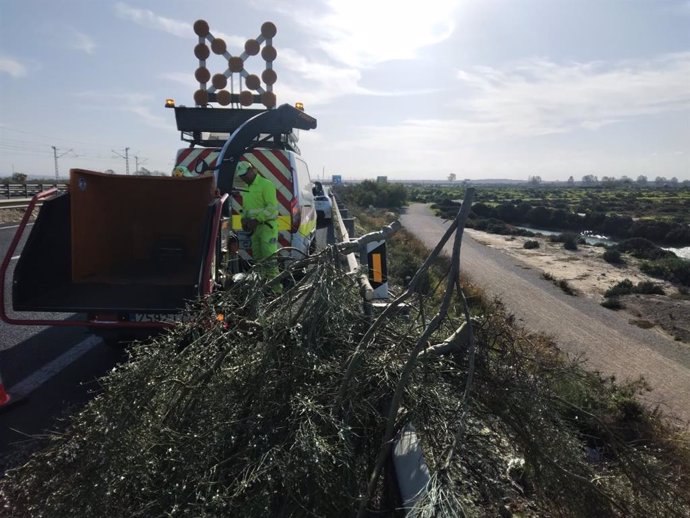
x=539, y=97
x=181, y=78
x=318, y=82
x=151, y=20
x=182, y=29
x=136, y=103
x=12, y=67
x=364, y=33
x=500, y=111
x=82, y=42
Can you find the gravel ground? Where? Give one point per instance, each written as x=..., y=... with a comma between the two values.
x=10, y=216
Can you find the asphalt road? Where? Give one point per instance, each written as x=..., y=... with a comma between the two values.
x=580, y=327
x=47, y=370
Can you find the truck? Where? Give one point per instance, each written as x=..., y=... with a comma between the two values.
x=127, y=253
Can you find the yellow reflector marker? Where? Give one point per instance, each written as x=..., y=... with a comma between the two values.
x=377, y=270
x=236, y=222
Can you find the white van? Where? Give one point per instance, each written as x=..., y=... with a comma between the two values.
x=290, y=174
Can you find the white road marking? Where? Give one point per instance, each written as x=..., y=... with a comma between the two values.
x=15, y=257
x=14, y=226
x=38, y=378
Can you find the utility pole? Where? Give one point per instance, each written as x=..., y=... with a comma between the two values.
x=56, y=156
x=136, y=162
x=126, y=157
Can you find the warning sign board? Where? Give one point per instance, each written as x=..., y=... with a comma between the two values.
x=378, y=268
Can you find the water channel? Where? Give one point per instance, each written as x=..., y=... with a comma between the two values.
x=595, y=239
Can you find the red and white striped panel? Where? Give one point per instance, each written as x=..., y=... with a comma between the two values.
x=273, y=165
x=190, y=157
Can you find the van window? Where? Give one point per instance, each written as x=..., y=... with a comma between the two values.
x=304, y=182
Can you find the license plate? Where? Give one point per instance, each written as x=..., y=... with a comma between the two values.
x=159, y=317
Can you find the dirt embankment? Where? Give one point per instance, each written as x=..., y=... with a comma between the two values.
x=8, y=216
x=589, y=275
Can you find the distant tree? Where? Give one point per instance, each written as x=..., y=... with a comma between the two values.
x=534, y=180
x=660, y=180
x=452, y=177
x=626, y=180
x=673, y=181
x=589, y=179
x=19, y=178
x=608, y=180
x=641, y=180
x=539, y=216
x=571, y=180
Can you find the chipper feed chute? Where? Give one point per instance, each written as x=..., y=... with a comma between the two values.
x=117, y=244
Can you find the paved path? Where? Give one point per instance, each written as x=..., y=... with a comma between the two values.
x=579, y=325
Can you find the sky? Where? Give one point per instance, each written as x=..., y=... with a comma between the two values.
x=482, y=89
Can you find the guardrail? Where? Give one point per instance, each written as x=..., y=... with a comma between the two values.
x=27, y=190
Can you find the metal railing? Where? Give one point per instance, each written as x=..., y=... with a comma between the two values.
x=27, y=190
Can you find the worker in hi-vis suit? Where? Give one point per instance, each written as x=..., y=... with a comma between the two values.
x=260, y=217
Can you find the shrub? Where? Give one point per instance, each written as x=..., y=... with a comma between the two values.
x=643, y=248
x=570, y=245
x=566, y=287
x=530, y=244
x=613, y=256
x=625, y=287
x=568, y=239
x=612, y=303
x=672, y=269
x=561, y=283
x=649, y=288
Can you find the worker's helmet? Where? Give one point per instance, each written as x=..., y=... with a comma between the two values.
x=181, y=170
x=243, y=168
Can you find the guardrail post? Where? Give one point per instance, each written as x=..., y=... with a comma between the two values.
x=7, y=191
x=26, y=190
x=350, y=226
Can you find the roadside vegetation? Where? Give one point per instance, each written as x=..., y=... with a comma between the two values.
x=658, y=214
x=374, y=194
x=642, y=218
x=602, y=402
x=563, y=284
x=281, y=407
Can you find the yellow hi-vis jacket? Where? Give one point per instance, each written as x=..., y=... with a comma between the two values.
x=259, y=202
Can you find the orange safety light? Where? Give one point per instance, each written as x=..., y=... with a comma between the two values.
x=299, y=106
x=170, y=103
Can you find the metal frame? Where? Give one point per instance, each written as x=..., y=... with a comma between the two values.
x=206, y=287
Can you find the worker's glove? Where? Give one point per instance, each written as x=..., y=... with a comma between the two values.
x=249, y=225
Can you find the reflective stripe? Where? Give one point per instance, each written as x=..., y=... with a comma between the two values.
x=191, y=157
x=277, y=177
